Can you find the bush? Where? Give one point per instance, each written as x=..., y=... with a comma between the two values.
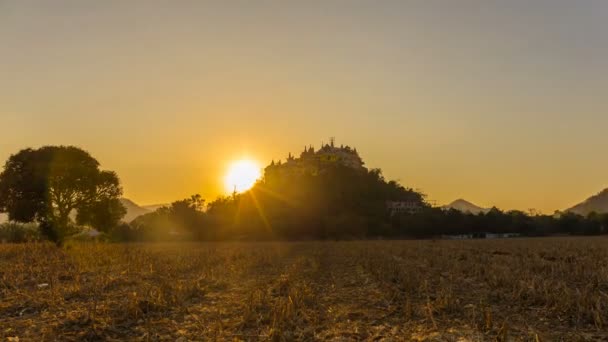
x=19, y=233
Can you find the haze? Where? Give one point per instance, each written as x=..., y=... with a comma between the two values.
x=499, y=102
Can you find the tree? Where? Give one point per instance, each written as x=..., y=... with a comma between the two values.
x=182, y=220
x=103, y=215
x=48, y=184
x=187, y=216
x=152, y=226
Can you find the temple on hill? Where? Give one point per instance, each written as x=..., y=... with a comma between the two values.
x=311, y=160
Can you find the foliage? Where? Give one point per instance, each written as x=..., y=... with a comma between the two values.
x=102, y=215
x=310, y=201
x=46, y=185
x=326, y=194
x=293, y=201
x=13, y=232
x=436, y=222
x=182, y=220
x=311, y=198
x=154, y=226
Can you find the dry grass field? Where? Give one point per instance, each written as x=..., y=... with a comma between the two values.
x=486, y=290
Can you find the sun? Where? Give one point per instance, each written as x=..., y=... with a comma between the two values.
x=242, y=175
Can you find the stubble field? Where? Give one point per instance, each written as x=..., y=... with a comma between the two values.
x=486, y=290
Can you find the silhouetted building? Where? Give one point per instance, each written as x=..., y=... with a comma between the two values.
x=312, y=162
x=403, y=207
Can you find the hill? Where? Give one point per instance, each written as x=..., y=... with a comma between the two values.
x=324, y=193
x=133, y=210
x=597, y=203
x=466, y=207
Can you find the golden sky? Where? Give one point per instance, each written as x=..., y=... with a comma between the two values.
x=498, y=102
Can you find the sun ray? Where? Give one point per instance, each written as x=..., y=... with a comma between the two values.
x=278, y=196
x=260, y=211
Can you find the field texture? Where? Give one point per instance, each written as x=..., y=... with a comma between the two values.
x=486, y=290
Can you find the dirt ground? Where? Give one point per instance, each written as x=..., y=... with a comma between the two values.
x=553, y=289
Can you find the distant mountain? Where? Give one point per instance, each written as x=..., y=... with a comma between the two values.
x=466, y=207
x=133, y=210
x=597, y=203
x=155, y=207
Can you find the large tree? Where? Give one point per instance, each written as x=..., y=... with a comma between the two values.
x=48, y=184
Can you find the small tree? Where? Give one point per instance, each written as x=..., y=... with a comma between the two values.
x=46, y=185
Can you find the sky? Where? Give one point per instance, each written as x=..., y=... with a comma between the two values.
x=499, y=102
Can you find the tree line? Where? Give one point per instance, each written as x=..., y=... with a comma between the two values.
x=62, y=189
x=222, y=222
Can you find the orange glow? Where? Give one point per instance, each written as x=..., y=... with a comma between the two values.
x=242, y=175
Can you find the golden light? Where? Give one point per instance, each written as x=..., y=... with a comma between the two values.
x=242, y=175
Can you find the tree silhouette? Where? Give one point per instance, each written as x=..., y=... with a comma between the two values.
x=46, y=185
x=103, y=215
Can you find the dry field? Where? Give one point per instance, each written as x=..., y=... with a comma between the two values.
x=487, y=290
